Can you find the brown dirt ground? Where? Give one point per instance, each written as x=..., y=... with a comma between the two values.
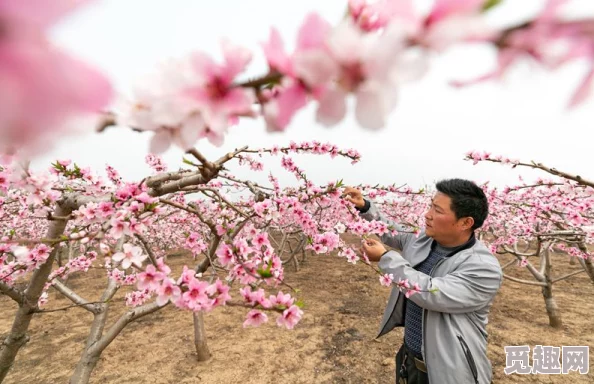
x=334, y=342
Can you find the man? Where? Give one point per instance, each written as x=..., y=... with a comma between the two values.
x=445, y=337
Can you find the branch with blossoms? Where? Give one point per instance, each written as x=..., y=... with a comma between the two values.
x=375, y=49
x=485, y=156
x=368, y=55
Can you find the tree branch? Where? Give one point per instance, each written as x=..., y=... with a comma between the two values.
x=160, y=178
x=119, y=325
x=538, y=283
x=67, y=307
x=12, y=292
x=73, y=296
x=199, y=156
x=231, y=205
x=146, y=246
x=568, y=275
x=553, y=171
x=223, y=159
x=178, y=185
x=191, y=210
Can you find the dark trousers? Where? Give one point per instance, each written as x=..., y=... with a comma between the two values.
x=410, y=369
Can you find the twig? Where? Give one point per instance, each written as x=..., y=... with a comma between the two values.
x=74, y=297
x=68, y=307
x=538, y=283
x=148, y=249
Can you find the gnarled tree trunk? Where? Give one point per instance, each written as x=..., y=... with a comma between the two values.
x=27, y=306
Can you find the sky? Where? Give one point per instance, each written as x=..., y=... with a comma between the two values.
x=434, y=125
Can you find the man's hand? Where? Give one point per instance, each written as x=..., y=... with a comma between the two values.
x=354, y=196
x=373, y=248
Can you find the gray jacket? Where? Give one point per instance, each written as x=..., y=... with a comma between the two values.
x=456, y=316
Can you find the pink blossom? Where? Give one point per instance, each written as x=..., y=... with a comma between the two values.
x=130, y=254
x=167, y=291
x=403, y=284
x=161, y=266
x=137, y=298
x=196, y=298
x=386, y=279
x=281, y=299
x=225, y=254
x=150, y=279
x=255, y=318
x=415, y=289
x=119, y=228
x=374, y=15
x=452, y=21
x=308, y=69
x=220, y=291
x=261, y=239
x=371, y=69
x=43, y=299
x=31, y=106
x=214, y=92
x=290, y=317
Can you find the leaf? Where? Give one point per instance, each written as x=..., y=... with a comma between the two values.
x=186, y=161
x=264, y=273
x=490, y=4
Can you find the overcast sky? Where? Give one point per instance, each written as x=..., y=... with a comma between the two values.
x=426, y=138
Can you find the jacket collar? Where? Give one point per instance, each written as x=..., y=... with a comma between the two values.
x=469, y=244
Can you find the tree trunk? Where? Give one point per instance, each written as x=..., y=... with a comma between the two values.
x=552, y=308
x=547, y=292
x=98, y=340
x=88, y=361
x=84, y=368
x=18, y=334
x=200, y=341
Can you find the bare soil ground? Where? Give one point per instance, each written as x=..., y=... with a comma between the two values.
x=334, y=342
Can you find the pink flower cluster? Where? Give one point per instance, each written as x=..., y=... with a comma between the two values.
x=290, y=315
x=156, y=163
x=42, y=87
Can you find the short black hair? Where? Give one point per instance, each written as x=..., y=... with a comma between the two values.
x=468, y=199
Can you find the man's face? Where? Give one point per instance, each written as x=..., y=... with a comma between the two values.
x=441, y=222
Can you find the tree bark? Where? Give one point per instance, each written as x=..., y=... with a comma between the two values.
x=553, y=311
x=88, y=362
x=98, y=341
x=555, y=320
x=200, y=341
x=18, y=333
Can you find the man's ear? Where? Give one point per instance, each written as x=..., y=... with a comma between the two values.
x=466, y=223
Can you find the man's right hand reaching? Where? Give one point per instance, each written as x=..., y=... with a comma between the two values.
x=354, y=196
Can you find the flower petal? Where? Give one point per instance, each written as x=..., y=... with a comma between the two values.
x=370, y=109
x=332, y=108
